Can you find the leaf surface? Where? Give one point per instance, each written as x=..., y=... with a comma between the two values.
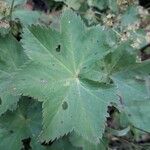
x=20, y=124
x=11, y=58
x=132, y=82
x=53, y=76
x=130, y=16
x=133, y=87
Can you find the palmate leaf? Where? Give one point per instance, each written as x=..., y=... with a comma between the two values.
x=11, y=58
x=132, y=81
x=54, y=76
x=20, y=124
x=133, y=88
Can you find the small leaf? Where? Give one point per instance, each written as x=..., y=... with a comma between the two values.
x=130, y=16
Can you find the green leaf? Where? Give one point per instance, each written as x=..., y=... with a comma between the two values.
x=101, y=4
x=80, y=142
x=113, y=5
x=75, y=4
x=53, y=76
x=132, y=81
x=62, y=144
x=4, y=31
x=16, y=2
x=8, y=140
x=20, y=124
x=130, y=16
x=133, y=87
x=138, y=114
x=25, y=16
x=20, y=13
x=120, y=57
x=36, y=145
x=11, y=58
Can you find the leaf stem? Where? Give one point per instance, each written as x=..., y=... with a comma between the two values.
x=11, y=9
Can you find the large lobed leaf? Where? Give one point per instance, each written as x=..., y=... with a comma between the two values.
x=54, y=76
x=132, y=81
x=133, y=87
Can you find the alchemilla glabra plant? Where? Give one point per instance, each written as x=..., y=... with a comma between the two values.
x=58, y=85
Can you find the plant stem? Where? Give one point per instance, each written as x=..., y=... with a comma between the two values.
x=11, y=9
